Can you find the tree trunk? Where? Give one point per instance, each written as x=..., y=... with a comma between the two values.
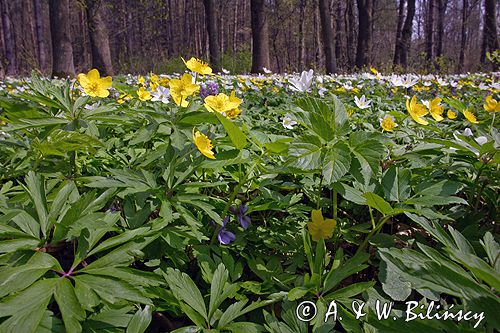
x=429, y=30
x=406, y=33
x=349, y=30
x=10, y=53
x=62, y=55
x=213, y=38
x=99, y=38
x=364, y=33
x=490, y=38
x=398, y=46
x=338, y=33
x=302, y=36
x=40, y=36
x=328, y=36
x=260, y=36
x=463, y=36
x=442, y=4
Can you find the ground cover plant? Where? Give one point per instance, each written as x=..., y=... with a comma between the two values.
x=201, y=202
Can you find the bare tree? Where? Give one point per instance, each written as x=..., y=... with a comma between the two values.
x=463, y=35
x=399, y=28
x=62, y=56
x=490, y=38
x=213, y=37
x=441, y=7
x=260, y=36
x=9, y=44
x=364, y=32
x=407, y=32
x=328, y=36
x=99, y=38
x=429, y=30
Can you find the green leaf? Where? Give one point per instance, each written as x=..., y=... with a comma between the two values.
x=35, y=186
x=375, y=201
x=351, y=266
x=396, y=184
x=217, y=286
x=336, y=163
x=72, y=312
x=238, y=138
x=185, y=290
x=305, y=156
x=26, y=309
x=111, y=290
x=141, y=320
x=326, y=120
x=432, y=200
x=392, y=283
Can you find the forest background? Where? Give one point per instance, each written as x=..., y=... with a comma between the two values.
x=64, y=37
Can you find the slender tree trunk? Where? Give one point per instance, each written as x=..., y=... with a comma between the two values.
x=398, y=46
x=338, y=32
x=62, y=55
x=441, y=4
x=302, y=36
x=328, y=36
x=10, y=55
x=40, y=35
x=429, y=30
x=213, y=40
x=463, y=36
x=349, y=31
x=407, y=32
x=490, y=38
x=99, y=38
x=364, y=33
x=260, y=36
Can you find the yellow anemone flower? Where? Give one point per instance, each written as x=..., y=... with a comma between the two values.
x=182, y=88
x=141, y=80
x=197, y=66
x=491, y=104
x=231, y=114
x=143, y=94
x=124, y=97
x=203, y=144
x=417, y=111
x=451, y=114
x=435, y=109
x=470, y=117
x=94, y=85
x=320, y=227
x=222, y=103
x=388, y=124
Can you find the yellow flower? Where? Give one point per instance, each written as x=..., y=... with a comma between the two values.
x=222, y=103
x=416, y=111
x=153, y=82
x=373, y=70
x=165, y=81
x=182, y=88
x=470, y=117
x=451, y=114
x=141, y=80
x=233, y=113
x=319, y=227
x=123, y=97
x=203, y=144
x=143, y=94
x=435, y=109
x=94, y=85
x=197, y=66
x=388, y=124
x=491, y=104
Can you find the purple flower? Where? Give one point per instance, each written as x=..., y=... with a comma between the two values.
x=225, y=237
x=208, y=89
x=240, y=213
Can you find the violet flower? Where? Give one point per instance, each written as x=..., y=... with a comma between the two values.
x=209, y=89
x=240, y=213
x=225, y=237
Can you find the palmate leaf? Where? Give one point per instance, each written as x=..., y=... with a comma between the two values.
x=336, y=163
x=396, y=184
x=328, y=121
x=60, y=143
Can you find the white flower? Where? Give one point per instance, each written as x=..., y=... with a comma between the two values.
x=225, y=71
x=409, y=82
x=495, y=85
x=481, y=140
x=322, y=91
x=442, y=82
x=91, y=107
x=304, y=83
x=483, y=86
x=468, y=132
x=161, y=95
x=288, y=122
x=4, y=135
x=267, y=71
x=362, y=102
x=427, y=83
